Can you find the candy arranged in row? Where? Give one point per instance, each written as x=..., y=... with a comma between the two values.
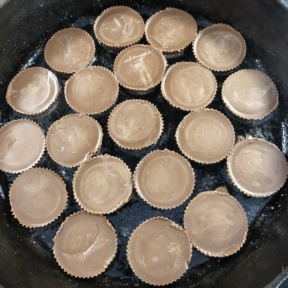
x=249, y=94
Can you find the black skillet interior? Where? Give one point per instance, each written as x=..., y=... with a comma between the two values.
x=26, y=257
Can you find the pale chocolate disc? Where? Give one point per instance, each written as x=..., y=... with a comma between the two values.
x=159, y=251
x=85, y=245
x=103, y=184
x=38, y=196
x=139, y=67
x=69, y=50
x=91, y=90
x=32, y=91
x=205, y=136
x=219, y=47
x=119, y=26
x=216, y=223
x=22, y=143
x=189, y=86
x=257, y=167
x=73, y=139
x=135, y=124
x=250, y=94
x=171, y=30
x=164, y=179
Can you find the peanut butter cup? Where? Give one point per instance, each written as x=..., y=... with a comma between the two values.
x=139, y=68
x=170, y=30
x=250, y=94
x=32, y=91
x=22, y=143
x=69, y=50
x=189, y=86
x=216, y=223
x=103, y=184
x=38, y=196
x=205, y=136
x=219, y=47
x=164, y=179
x=85, y=245
x=91, y=90
x=257, y=167
x=74, y=139
x=119, y=27
x=135, y=124
x=159, y=251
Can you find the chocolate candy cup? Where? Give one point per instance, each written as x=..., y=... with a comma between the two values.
x=103, y=184
x=257, y=167
x=159, y=251
x=22, y=144
x=92, y=90
x=139, y=68
x=85, y=245
x=135, y=124
x=219, y=47
x=250, y=94
x=69, y=50
x=73, y=139
x=170, y=30
x=164, y=179
x=32, y=91
x=205, y=136
x=118, y=27
x=216, y=223
x=189, y=86
x=37, y=197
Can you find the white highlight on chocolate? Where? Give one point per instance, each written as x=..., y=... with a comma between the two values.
x=140, y=66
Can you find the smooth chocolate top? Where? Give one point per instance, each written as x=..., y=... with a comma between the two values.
x=257, y=167
x=37, y=197
x=73, y=139
x=69, y=50
x=164, y=179
x=216, y=223
x=139, y=67
x=159, y=251
x=22, y=143
x=189, y=86
x=135, y=124
x=205, y=136
x=91, y=90
x=171, y=30
x=32, y=90
x=85, y=245
x=250, y=94
x=103, y=184
x=219, y=47
x=119, y=26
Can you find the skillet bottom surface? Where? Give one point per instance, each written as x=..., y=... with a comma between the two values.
x=126, y=219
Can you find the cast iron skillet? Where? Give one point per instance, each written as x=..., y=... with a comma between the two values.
x=26, y=259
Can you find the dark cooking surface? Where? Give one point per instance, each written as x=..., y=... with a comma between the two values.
x=263, y=256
